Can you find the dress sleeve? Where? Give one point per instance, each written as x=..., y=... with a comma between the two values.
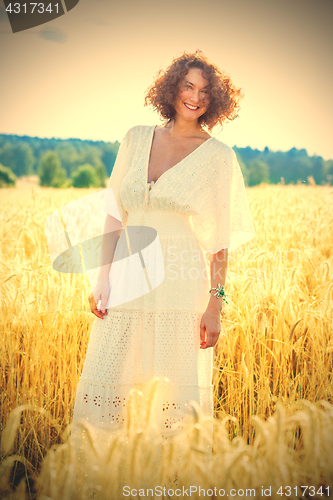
x=223, y=218
x=241, y=223
x=113, y=205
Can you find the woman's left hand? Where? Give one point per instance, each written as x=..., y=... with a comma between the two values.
x=210, y=327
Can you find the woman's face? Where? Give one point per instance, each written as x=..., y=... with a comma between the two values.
x=193, y=96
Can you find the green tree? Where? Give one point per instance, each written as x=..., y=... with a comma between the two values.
x=60, y=180
x=328, y=171
x=318, y=169
x=18, y=157
x=50, y=171
x=85, y=176
x=243, y=168
x=7, y=177
x=101, y=174
x=68, y=156
x=24, y=159
x=258, y=172
x=110, y=151
x=91, y=155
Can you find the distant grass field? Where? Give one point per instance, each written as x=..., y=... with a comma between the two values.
x=276, y=345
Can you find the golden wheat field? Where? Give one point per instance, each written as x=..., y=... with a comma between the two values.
x=273, y=378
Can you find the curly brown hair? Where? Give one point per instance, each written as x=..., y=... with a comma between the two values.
x=224, y=96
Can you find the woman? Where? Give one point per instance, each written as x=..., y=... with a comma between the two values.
x=185, y=186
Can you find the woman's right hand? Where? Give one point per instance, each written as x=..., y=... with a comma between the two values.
x=101, y=293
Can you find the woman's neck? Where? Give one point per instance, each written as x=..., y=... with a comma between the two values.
x=182, y=128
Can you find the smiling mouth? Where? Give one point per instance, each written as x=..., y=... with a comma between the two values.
x=192, y=108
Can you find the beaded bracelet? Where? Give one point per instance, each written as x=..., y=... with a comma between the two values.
x=220, y=292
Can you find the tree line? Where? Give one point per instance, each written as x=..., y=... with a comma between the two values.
x=83, y=163
x=57, y=162
x=289, y=167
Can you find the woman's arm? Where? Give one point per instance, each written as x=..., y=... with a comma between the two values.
x=218, y=274
x=101, y=292
x=111, y=234
x=210, y=325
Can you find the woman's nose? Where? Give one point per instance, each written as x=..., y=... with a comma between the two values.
x=195, y=96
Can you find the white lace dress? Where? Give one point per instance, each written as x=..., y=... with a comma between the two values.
x=199, y=205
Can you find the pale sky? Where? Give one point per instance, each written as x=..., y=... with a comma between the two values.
x=84, y=74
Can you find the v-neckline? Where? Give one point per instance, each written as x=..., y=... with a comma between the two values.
x=178, y=163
